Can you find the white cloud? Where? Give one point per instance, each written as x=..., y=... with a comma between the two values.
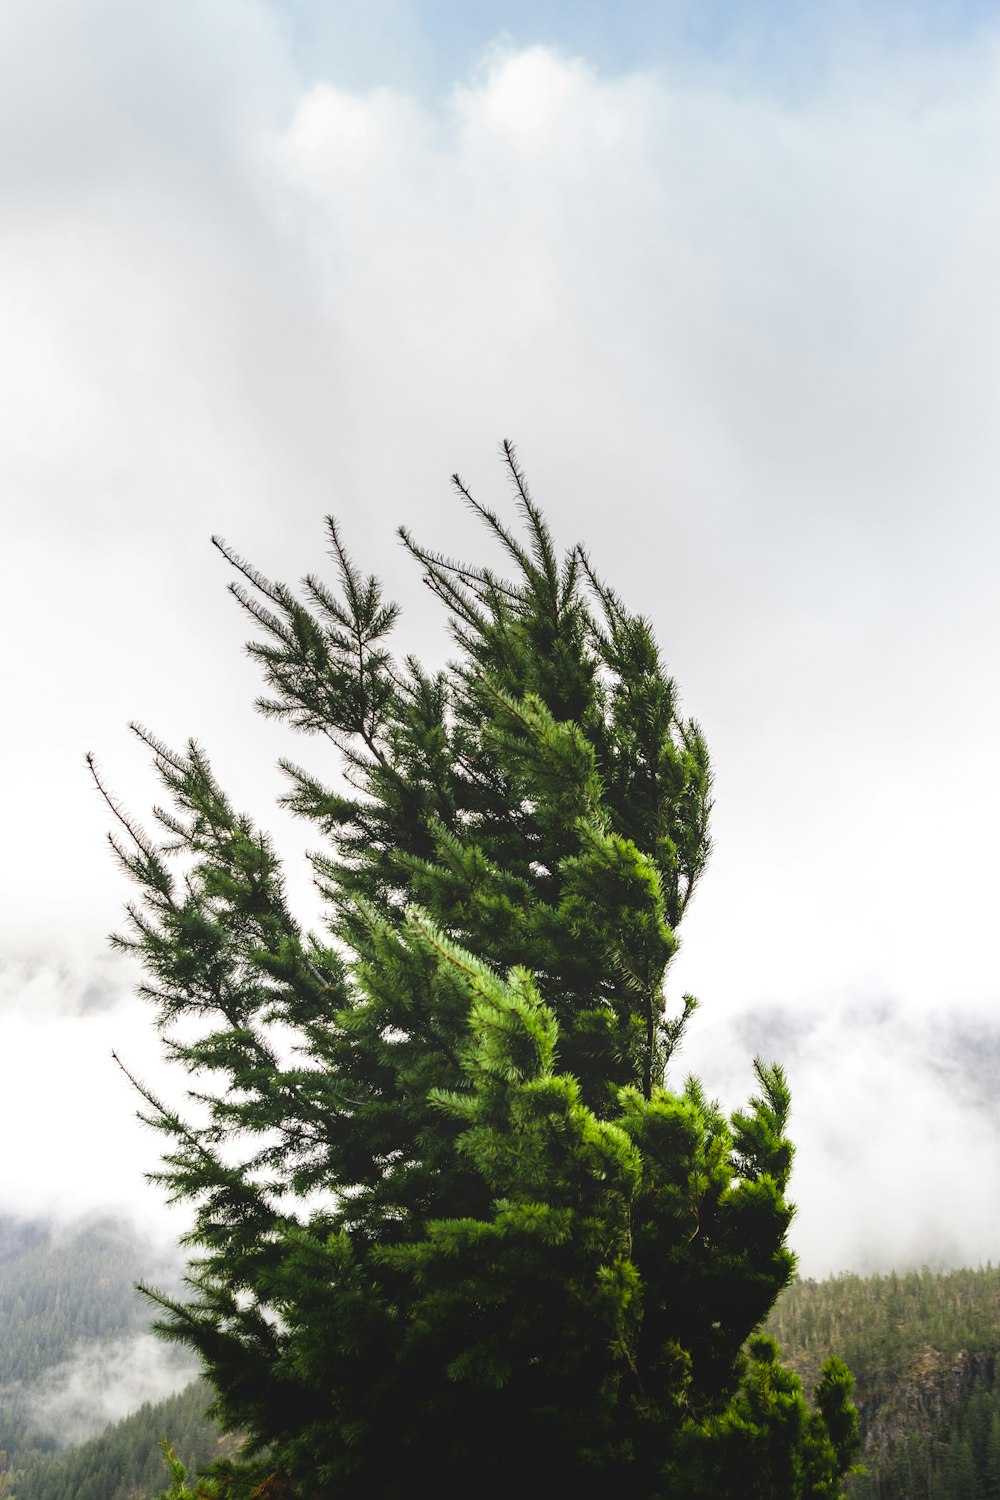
x=71, y=1142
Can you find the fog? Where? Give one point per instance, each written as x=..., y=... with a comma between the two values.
x=104, y=1381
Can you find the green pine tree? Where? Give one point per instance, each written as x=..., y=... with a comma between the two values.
x=6, y=1478
x=991, y=1485
x=453, y=1230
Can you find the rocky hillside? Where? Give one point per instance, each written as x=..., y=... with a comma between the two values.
x=925, y=1351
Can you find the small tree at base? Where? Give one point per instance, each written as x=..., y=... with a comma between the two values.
x=461, y=1236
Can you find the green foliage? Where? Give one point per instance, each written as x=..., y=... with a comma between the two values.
x=451, y=1222
x=767, y=1444
x=182, y=1488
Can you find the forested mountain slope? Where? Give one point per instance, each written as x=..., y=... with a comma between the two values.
x=126, y=1461
x=56, y=1290
x=75, y=1346
x=925, y=1352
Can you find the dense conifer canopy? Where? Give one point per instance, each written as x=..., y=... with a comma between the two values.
x=453, y=1230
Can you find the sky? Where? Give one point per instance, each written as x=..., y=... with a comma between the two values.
x=727, y=275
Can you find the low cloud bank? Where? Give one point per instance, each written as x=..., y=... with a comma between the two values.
x=103, y=1382
x=72, y=1143
x=896, y=1124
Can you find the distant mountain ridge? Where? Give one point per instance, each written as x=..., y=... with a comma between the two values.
x=57, y=1289
x=20, y=1235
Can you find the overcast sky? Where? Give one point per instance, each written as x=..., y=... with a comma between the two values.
x=732, y=287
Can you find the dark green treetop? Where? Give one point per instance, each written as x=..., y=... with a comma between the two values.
x=453, y=1232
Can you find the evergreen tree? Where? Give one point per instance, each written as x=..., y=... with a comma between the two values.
x=6, y=1478
x=991, y=1482
x=460, y=1233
